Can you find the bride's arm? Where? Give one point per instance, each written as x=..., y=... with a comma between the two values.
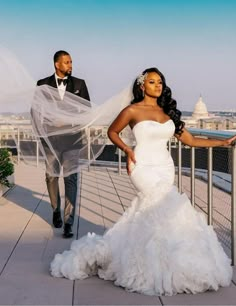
x=192, y=141
x=121, y=121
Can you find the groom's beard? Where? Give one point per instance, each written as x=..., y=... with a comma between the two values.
x=68, y=73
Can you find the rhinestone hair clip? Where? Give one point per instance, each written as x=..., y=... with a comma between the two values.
x=141, y=78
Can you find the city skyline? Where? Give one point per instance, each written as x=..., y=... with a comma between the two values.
x=111, y=42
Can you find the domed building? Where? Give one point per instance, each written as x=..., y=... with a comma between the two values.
x=202, y=119
x=200, y=110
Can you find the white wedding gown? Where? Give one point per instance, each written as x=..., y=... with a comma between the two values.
x=161, y=245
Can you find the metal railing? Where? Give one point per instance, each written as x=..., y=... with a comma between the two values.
x=192, y=174
x=215, y=135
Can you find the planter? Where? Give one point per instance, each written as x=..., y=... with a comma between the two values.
x=3, y=188
x=6, y=170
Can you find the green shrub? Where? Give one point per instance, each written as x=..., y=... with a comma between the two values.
x=6, y=167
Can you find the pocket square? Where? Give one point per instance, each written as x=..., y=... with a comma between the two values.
x=77, y=91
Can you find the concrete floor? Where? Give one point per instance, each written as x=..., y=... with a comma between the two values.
x=28, y=243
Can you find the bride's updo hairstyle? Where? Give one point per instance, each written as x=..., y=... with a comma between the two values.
x=165, y=101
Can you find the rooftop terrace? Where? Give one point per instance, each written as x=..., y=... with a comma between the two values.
x=28, y=243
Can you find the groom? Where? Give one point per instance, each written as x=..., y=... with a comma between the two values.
x=63, y=81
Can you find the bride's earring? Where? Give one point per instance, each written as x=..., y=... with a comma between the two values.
x=143, y=90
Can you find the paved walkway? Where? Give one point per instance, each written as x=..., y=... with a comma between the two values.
x=28, y=244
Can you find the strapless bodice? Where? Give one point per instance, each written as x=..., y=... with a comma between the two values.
x=151, y=141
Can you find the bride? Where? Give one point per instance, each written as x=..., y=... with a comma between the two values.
x=161, y=245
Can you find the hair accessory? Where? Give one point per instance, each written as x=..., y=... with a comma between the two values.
x=141, y=78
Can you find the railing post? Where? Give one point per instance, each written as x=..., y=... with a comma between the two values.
x=210, y=189
x=180, y=166
x=233, y=207
x=89, y=147
x=193, y=176
x=37, y=153
x=18, y=145
x=119, y=161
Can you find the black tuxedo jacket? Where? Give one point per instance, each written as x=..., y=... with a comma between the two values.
x=74, y=85
x=77, y=87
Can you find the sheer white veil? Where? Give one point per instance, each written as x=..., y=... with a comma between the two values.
x=72, y=126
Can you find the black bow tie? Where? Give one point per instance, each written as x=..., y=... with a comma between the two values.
x=64, y=81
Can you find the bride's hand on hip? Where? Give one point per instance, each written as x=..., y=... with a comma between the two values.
x=130, y=160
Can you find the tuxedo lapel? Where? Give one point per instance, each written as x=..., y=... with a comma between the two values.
x=52, y=81
x=70, y=85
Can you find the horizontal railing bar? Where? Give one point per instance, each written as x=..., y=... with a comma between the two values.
x=212, y=133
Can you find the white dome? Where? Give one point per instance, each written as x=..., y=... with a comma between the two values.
x=200, y=109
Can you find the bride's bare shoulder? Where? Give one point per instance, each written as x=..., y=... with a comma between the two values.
x=132, y=108
x=131, y=111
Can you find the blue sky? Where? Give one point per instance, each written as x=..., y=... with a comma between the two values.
x=192, y=43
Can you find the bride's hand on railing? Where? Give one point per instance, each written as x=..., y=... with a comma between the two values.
x=229, y=141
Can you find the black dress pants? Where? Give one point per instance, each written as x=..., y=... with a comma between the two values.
x=56, y=163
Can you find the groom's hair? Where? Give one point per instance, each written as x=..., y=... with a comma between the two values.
x=58, y=54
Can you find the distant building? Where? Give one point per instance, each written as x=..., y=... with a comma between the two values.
x=13, y=127
x=200, y=110
x=202, y=119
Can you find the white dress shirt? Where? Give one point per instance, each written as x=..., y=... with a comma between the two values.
x=61, y=87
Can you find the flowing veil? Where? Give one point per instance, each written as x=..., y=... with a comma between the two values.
x=73, y=125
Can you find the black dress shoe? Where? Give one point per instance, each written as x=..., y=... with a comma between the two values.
x=67, y=231
x=56, y=220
